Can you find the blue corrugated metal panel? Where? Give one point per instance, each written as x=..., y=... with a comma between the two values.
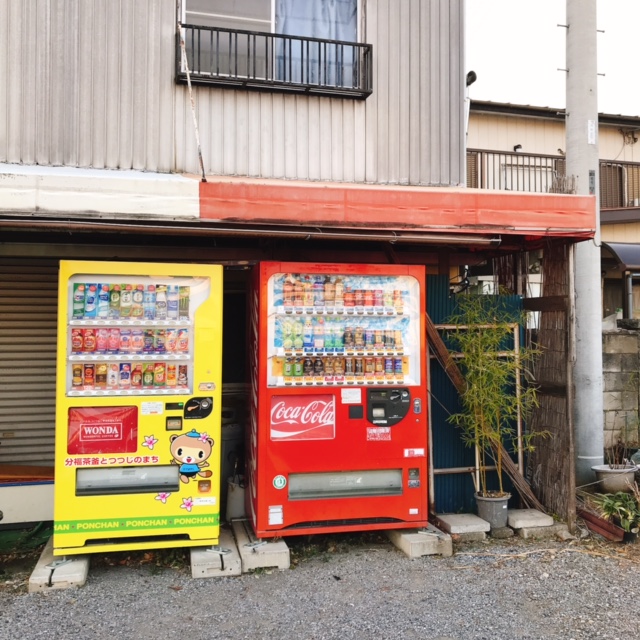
x=453, y=492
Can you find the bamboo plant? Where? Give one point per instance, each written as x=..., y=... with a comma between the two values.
x=495, y=398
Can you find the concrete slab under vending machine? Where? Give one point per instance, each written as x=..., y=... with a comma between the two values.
x=53, y=572
x=219, y=561
x=259, y=554
x=416, y=543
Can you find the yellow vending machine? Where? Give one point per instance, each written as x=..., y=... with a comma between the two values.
x=139, y=376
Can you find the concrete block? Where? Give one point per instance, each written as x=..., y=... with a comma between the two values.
x=214, y=562
x=520, y=518
x=462, y=523
x=620, y=343
x=471, y=536
x=416, y=543
x=259, y=554
x=501, y=533
x=612, y=362
x=53, y=572
x=539, y=533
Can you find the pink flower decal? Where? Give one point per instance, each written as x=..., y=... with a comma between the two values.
x=163, y=497
x=149, y=441
x=187, y=503
x=203, y=437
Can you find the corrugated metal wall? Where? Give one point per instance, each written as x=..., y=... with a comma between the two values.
x=90, y=83
x=28, y=321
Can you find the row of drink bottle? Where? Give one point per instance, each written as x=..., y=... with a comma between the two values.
x=325, y=291
x=329, y=366
x=128, y=375
x=135, y=301
x=117, y=340
x=320, y=334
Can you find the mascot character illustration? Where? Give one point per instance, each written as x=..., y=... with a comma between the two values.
x=190, y=451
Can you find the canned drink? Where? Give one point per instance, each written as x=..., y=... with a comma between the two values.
x=298, y=368
x=348, y=366
x=137, y=341
x=328, y=366
x=397, y=337
x=378, y=298
x=307, y=367
x=358, y=296
x=378, y=365
x=358, y=337
x=148, y=341
x=183, y=341
x=102, y=340
x=76, y=340
x=159, y=374
x=113, y=375
x=124, y=379
x=183, y=375
x=398, y=366
x=287, y=369
x=88, y=340
x=369, y=365
x=359, y=366
x=388, y=366
x=147, y=375
x=338, y=366
x=368, y=298
x=171, y=340
x=125, y=341
x=369, y=338
x=389, y=339
x=387, y=297
x=348, y=338
x=172, y=375
x=159, y=342
x=113, y=344
x=318, y=367
x=136, y=376
x=76, y=376
x=89, y=375
x=101, y=375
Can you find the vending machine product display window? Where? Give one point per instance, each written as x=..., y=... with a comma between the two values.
x=339, y=428
x=138, y=406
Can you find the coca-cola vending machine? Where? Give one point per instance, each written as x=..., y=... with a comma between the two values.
x=337, y=436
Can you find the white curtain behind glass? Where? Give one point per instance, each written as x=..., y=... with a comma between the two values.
x=311, y=63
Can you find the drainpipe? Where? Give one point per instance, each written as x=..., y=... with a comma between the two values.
x=583, y=162
x=628, y=312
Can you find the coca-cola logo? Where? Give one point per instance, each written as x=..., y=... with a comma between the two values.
x=303, y=417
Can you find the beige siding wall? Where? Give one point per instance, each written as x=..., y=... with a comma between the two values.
x=89, y=83
x=627, y=232
x=501, y=132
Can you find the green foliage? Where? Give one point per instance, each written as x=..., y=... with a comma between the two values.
x=620, y=507
x=495, y=392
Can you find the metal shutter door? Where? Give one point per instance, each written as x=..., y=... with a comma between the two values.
x=28, y=307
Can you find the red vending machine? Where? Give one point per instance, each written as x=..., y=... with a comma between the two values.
x=338, y=430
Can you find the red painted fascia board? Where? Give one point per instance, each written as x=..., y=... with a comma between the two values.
x=398, y=208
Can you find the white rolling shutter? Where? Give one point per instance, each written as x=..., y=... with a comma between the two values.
x=28, y=297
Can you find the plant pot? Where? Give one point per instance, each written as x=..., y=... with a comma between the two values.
x=614, y=480
x=493, y=510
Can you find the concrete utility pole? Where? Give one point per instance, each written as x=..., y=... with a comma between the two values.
x=583, y=163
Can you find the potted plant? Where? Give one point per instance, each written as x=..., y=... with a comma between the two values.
x=618, y=472
x=620, y=508
x=495, y=396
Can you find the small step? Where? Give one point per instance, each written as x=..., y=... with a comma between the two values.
x=259, y=554
x=462, y=523
x=526, y=518
x=58, y=572
x=218, y=561
x=416, y=543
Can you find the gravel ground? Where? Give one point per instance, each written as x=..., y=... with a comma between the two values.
x=352, y=586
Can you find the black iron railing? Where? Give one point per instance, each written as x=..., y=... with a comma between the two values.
x=502, y=170
x=292, y=64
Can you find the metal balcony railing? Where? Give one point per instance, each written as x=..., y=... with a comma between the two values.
x=507, y=171
x=270, y=61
